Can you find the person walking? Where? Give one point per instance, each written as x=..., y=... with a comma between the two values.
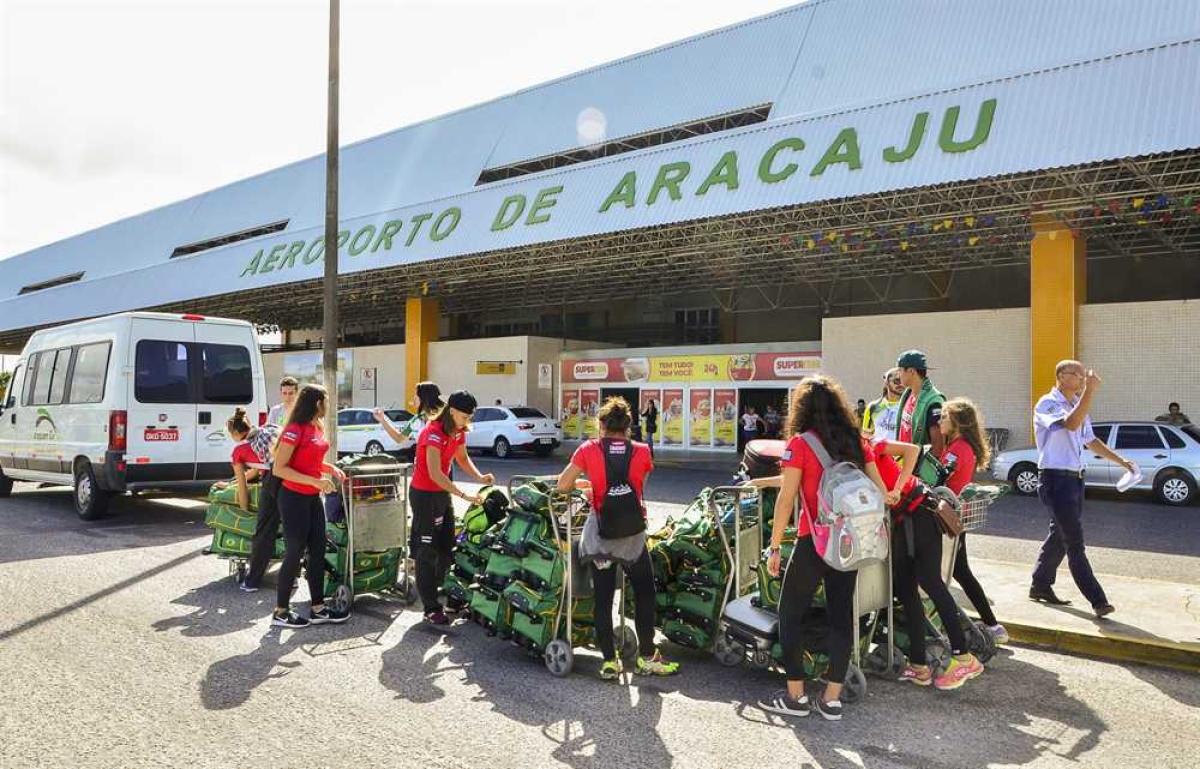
x=818, y=405
x=882, y=416
x=428, y=398
x=966, y=452
x=651, y=417
x=773, y=421
x=615, y=534
x=442, y=442
x=300, y=464
x=277, y=415
x=249, y=464
x=751, y=424
x=1062, y=429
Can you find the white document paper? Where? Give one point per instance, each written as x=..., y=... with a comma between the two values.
x=1130, y=479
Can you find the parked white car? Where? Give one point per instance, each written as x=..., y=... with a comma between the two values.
x=1169, y=458
x=505, y=429
x=360, y=433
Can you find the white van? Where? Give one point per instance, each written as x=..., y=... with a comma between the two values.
x=131, y=401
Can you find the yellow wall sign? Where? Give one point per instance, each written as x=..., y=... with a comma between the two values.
x=485, y=367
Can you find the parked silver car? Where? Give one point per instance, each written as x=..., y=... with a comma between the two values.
x=1168, y=456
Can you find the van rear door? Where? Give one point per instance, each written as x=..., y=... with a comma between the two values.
x=229, y=377
x=161, y=432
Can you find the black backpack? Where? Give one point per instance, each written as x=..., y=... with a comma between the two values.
x=620, y=510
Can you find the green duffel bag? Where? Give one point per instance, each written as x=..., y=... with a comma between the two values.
x=699, y=601
x=815, y=663
x=689, y=554
x=501, y=569
x=518, y=530
x=533, y=498
x=230, y=518
x=489, y=608
x=468, y=562
x=228, y=495
x=456, y=588
x=686, y=634
x=228, y=543
x=710, y=576
x=542, y=567
x=664, y=601
x=336, y=533
x=363, y=560
x=375, y=580
x=532, y=616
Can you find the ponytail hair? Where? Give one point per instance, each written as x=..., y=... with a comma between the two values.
x=238, y=424
x=429, y=400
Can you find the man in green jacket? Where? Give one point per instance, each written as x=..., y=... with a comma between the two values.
x=920, y=407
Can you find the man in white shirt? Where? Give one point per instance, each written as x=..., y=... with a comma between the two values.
x=882, y=418
x=288, y=387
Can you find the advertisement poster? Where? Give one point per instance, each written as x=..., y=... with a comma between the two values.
x=306, y=367
x=725, y=418
x=670, y=417
x=736, y=367
x=589, y=406
x=701, y=415
x=647, y=396
x=569, y=413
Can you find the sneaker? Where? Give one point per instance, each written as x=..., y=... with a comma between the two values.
x=921, y=675
x=999, y=633
x=958, y=672
x=247, y=588
x=656, y=666
x=610, y=670
x=291, y=619
x=830, y=711
x=782, y=703
x=327, y=616
x=437, y=618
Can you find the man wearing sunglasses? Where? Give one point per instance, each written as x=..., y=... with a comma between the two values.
x=882, y=416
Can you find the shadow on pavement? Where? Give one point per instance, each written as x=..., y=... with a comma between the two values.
x=219, y=609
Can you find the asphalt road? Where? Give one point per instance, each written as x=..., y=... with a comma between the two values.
x=124, y=646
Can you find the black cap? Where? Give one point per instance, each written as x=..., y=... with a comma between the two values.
x=462, y=401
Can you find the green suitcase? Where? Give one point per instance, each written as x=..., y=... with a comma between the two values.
x=700, y=602
x=687, y=634
x=518, y=530
x=542, y=567
x=228, y=495
x=489, y=608
x=501, y=569
x=533, y=498
x=231, y=519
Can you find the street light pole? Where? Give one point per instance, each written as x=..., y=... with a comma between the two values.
x=331, y=237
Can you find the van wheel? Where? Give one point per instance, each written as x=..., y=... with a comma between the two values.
x=91, y=502
x=1175, y=488
x=374, y=449
x=502, y=448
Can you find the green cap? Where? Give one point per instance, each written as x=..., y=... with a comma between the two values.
x=913, y=359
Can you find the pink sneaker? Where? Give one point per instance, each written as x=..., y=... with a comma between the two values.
x=958, y=672
x=921, y=675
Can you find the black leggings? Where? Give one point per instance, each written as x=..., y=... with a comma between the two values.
x=924, y=569
x=804, y=571
x=262, y=548
x=431, y=542
x=971, y=586
x=304, y=529
x=641, y=578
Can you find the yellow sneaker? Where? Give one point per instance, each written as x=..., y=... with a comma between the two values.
x=656, y=666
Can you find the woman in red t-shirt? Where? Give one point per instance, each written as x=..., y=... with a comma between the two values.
x=819, y=405
x=300, y=464
x=248, y=466
x=594, y=458
x=442, y=442
x=967, y=450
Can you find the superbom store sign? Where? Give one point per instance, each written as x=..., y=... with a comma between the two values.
x=696, y=395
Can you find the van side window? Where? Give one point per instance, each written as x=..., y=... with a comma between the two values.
x=44, y=376
x=58, y=383
x=227, y=377
x=30, y=370
x=10, y=395
x=90, y=373
x=161, y=372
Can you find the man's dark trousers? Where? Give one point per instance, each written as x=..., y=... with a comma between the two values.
x=1062, y=496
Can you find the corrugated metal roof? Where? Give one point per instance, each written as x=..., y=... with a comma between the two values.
x=1076, y=111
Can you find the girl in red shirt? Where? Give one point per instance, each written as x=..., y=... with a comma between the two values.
x=300, y=464
x=633, y=461
x=248, y=466
x=442, y=442
x=968, y=451
x=819, y=405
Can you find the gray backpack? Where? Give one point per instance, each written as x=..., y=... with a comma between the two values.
x=851, y=527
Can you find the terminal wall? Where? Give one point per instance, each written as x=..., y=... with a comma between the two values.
x=982, y=354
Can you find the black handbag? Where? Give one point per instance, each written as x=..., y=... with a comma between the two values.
x=620, y=510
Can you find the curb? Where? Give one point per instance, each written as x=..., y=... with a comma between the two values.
x=1116, y=648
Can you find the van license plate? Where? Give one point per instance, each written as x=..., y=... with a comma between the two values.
x=161, y=435
x=545, y=440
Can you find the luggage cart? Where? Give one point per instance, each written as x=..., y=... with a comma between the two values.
x=376, y=503
x=742, y=556
x=568, y=513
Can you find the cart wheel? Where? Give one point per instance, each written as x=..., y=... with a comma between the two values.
x=559, y=658
x=627, y=643
x=981, y=642
x=855, y=689
x=342, y=599
x=728, y=654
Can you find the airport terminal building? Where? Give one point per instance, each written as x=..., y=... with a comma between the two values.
x=1000, y=184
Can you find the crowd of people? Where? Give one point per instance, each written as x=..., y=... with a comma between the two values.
x=906, y=441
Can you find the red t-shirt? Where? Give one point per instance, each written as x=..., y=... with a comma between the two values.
x=889, y=471
x=589, y=458
x=964, y=469
x=244, y=455
x=308, y=458
x=434, y=435
x=906, y=420
x=799, y=454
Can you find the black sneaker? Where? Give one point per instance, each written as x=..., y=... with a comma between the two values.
x=437, y=618
x=327, y=616
x=830, y=711
x=782, y=703
x=291, y=619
